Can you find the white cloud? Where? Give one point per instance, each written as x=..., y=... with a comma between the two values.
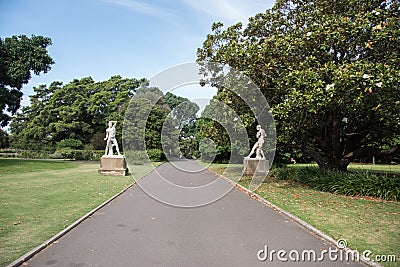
x=144, y=8
x=230, y=11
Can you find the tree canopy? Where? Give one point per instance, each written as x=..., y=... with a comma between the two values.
x=78, y=110
x=19, y=57
x=76, y=114
x=157, y=121
x=329, y=70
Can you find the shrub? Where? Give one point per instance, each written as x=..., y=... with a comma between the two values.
x=345, y=183
x=69, y=143
x=4, y=139
x=33, y=154
x=207, y=149
x=80, y=154
x=97, y=141
x=137, y=157
x=156, y=154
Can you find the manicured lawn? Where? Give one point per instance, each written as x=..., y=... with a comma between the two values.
x=39, y=198
x=364, y=223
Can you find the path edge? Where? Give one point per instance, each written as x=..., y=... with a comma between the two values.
x=36, y=250
x=297, y=220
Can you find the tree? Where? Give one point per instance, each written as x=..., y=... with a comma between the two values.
x=4, y=142
x=329, y=70
x=19, y=56
x=78, y=110
x=183, y=113
x=157, y=121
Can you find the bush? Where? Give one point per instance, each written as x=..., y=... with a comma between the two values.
x=33, y=154
x=137, y=157
x=80, y=154
x=207, y=150
x=344, y=183
x=69, y=143
x=156, y=154
x=4, y=139
x=97, y=141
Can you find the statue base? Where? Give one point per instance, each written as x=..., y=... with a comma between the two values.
x=113, y=165
x=253, y=166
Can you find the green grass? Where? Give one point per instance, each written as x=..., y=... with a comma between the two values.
x=39, y=198
x=11, y=166
x=365, y=223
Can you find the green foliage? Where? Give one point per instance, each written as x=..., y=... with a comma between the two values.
x=73, y=154
x=156, y=123
x=78, y=110
x=330, y=71
x=69, y=143
x=19, y=56
x=156, y=154
x=350, y=184
x=207, y=150
x=4, y=139
x=189, y=148
x=33, y=154
x=97, y=141
x=137, y=157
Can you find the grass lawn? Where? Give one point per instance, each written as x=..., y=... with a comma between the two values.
x=364, y=223
x=39, y=198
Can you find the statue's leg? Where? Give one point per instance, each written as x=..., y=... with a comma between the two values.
x=261, y=149
x=107, y=147
x=116, y=147
x=253, y=150
x=258, y=153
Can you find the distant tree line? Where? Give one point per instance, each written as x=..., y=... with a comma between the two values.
x=75, y=115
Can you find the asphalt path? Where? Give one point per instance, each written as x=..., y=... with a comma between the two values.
x=146, y=227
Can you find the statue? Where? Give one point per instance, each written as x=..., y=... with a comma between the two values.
x=259, y=144
x=111, y=140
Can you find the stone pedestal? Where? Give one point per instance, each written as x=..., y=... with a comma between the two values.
x=253, y=166
x=113, y=165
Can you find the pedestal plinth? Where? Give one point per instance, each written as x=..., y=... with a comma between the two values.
x=253, y=166
x=113, y=165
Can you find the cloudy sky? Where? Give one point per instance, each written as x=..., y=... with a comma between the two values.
x=131, y=38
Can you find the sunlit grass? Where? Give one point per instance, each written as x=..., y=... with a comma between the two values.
x=40, y=198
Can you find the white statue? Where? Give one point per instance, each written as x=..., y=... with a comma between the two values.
x=111, y=140
x=259, y=144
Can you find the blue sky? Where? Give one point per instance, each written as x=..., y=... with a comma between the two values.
x=131, y=38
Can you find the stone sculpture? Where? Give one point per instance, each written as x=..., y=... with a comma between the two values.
x=111, y=164
x=111, y=140
x=258, y=165
x=258, y=146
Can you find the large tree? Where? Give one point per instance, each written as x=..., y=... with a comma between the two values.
x=157, y=121
x=77, y=110
x=330, y=71
x=19, y=57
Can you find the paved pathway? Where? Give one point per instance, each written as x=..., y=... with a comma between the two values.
x=137, y=230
